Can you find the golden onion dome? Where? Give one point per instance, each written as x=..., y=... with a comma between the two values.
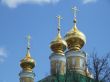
x=75, y=38
x=27, y=63
x=58, y=45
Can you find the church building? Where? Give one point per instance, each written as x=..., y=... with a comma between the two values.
x=68, y=61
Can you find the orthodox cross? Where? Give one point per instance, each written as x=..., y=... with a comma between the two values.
x=75, y=10
x=59, y=20
x=28, y=39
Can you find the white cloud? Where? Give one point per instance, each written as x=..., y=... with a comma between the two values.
x=15, y=3
x=3, y=54
x=88, y=1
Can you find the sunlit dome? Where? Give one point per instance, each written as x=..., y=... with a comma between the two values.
x=58, y=45
x=75, y=38
x=28, y=63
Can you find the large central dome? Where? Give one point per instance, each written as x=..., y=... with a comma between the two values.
x=75, y=38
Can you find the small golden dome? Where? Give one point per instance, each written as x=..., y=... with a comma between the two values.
x=58, y=45
x=75, y=38
x=28, y=63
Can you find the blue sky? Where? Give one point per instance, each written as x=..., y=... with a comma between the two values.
x=18, y=18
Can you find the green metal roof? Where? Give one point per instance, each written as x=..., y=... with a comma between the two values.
x=69, y=77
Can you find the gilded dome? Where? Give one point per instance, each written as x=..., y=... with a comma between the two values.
x=27, y=63
x=75, y=38
x=58, y=45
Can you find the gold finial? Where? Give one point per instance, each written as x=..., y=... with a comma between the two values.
x=75, y=10
x=59, y=25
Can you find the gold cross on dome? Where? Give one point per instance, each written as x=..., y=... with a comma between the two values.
x=59, y=21
x=75, y=10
